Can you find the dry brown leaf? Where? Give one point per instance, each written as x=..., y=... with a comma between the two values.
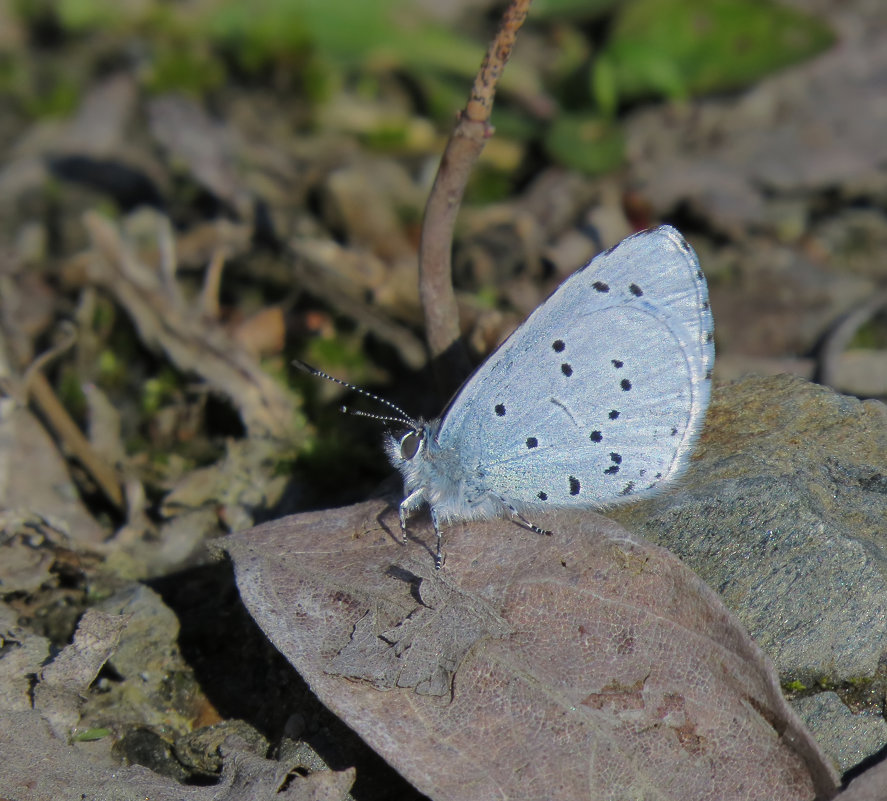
x=205, y=146
x=588, y=664
x=21, y=654
x=63, y=682
x=38, y=762
x=34, y=482
x=165, y=320
x=263, y=333
x=345, y=278
x=40, y=767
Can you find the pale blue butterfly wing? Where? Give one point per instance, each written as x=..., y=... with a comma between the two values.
x=598, y=397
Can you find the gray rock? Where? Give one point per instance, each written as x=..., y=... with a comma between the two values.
x=845, y=737
x=783, y=512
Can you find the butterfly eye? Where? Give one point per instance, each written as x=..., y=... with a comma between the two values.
x=410, y=444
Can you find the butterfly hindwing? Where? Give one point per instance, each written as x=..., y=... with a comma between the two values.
x=599, y=395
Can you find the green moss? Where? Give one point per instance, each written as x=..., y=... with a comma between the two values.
x=88, y=735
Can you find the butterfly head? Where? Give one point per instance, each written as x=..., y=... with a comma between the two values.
x=416, y=456
x=411, y=443
x=410, y=447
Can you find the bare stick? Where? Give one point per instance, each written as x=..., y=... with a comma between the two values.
x=35, y=387
x=463, y=148
x=66, y=429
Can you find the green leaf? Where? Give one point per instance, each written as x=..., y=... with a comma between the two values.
x=88, y=735
x=676, y=48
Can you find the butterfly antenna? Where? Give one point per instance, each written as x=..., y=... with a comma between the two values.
x=403, y=416
x=382, y=417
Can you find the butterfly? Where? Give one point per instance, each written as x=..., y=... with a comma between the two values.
x=596, y=399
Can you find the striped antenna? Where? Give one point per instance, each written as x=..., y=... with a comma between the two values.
x=402, y=418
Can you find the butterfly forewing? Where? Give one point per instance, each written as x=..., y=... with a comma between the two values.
x=598, y=396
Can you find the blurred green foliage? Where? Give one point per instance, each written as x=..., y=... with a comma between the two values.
x=679, y=48
x=572, y=9
x=872, y=335
x=590, y=59
x=159, y=390
x=586, y=142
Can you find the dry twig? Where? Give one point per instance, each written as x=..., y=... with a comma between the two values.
x=36, y=387
x=462, y=150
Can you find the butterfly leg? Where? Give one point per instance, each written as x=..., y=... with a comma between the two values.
x=438, y=557
x=532, y=526
x=403, y=523
x=407, y=505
